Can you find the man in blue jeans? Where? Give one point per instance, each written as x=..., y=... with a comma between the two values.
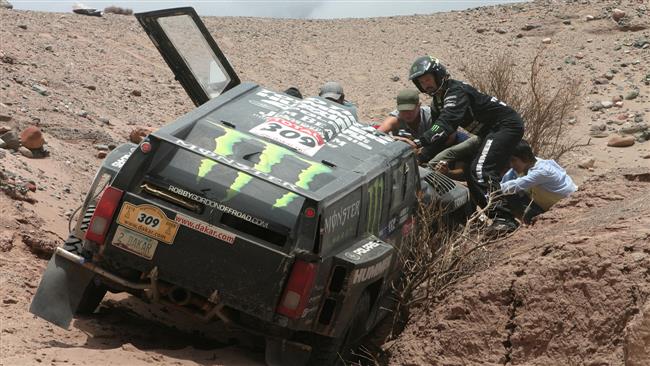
x=534, y=185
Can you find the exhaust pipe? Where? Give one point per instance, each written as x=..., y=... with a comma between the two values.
x=179, y=295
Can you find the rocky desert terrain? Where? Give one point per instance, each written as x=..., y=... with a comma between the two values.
x=571, y=290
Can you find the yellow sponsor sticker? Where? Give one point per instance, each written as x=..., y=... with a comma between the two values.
x=149, y=220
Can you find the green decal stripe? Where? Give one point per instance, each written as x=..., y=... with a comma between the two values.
x=223, y=146
x=307, y=176
x=271, y=155
x=285, y=200
x=240, y=182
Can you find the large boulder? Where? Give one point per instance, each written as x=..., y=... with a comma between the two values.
x=621, y=141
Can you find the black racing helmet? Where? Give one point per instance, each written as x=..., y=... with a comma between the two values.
x=428, y=65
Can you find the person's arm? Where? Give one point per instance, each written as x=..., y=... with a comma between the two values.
x=451, y=116
x=534, y=178
x=389, y=124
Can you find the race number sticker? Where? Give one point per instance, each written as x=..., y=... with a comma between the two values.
x=301, y=138
x=148, y=220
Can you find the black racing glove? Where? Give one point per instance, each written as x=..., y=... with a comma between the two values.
x=434, y=136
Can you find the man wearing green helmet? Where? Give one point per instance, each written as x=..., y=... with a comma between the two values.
x=458, y=104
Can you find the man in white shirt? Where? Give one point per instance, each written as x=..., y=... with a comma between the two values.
x=534, y=185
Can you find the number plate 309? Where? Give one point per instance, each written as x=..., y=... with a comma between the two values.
x=148, y=220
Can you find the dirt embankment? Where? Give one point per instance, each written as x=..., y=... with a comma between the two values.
x=571, y=290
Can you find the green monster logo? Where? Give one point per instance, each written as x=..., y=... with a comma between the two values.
x=375, y=203
x=270, y=156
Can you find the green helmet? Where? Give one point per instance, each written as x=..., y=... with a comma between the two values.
x=428, y=65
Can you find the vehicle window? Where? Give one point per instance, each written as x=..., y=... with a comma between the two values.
x=196, y=52
x=340, y=221
x=399, y=185
x=375, y=204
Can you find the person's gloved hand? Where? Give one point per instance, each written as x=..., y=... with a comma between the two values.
x=434, y=136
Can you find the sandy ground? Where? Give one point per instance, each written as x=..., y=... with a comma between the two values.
x=584, y=303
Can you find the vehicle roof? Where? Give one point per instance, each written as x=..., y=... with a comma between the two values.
x=318, y=146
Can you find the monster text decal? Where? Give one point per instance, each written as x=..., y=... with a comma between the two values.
x=339, y=218
x=368, y=273
x=271, y=156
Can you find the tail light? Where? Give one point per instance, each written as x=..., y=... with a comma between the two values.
x=103, y=215
x=296, y=294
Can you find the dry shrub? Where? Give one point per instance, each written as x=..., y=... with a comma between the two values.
x=545, y=109
x=435, y=257
x=118, y=10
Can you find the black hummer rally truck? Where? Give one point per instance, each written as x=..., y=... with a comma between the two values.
x=277, y=215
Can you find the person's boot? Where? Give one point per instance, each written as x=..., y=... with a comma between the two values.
x=500, y=227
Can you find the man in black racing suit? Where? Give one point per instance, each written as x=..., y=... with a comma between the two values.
x=457, y=104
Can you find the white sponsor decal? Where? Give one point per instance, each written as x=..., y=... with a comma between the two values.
x=288, y=133
x=481, y=160
x=219, y=206
x=119, y=163
x=364, y=274
x=341, y=216
x=206, y=229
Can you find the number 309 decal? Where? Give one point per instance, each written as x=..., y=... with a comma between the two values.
x=303, y=139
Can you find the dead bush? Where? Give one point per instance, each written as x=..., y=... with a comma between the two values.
x=118, y=10
x=545, y=109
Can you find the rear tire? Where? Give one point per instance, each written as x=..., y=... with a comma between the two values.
x=327, y=351
x=95, y=291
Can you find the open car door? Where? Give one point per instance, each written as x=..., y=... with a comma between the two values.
x=190, y=51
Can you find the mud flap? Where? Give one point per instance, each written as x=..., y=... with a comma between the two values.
x=60, y=291
x=283, y=352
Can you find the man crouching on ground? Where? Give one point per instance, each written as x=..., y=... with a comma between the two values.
x=534, y=185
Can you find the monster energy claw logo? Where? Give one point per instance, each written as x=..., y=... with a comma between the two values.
x=375, y=203
x=270, y=157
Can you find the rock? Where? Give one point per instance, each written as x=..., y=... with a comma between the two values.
x=519, y=35
x=481, y=30
x=629, y=128
x=617, y=98
x=137, y=135
x=618, y=14
x=4, y=129
x=3, y=153
x=25, y=152
x=596, y=106
x=40, y=89
x=4, y=118
x=638, y=118
x=101, y=154
x=22, y=26
x=90, y=87
x=395, y=78
x=618, y=104
x=608, y=76
x=11, y=141
x=528, y=27
x=641, y=42
x=607, y=104
x=566, y=22
x=647, y=156
x=32, y=138
x=571, y=61
x=546, y=40
x=580, y=56
x=601, y=81
x=104, y=120
x=622, y=117
x=136, y=93
x=101, y=147
x=587, y=163
x=501, y=31
x=31, y=186
x=82, y=113
x=9, y=300
x=589, y=18
x=632, y=94
x=620, y=141
x=48, y=48
x=6, y=4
